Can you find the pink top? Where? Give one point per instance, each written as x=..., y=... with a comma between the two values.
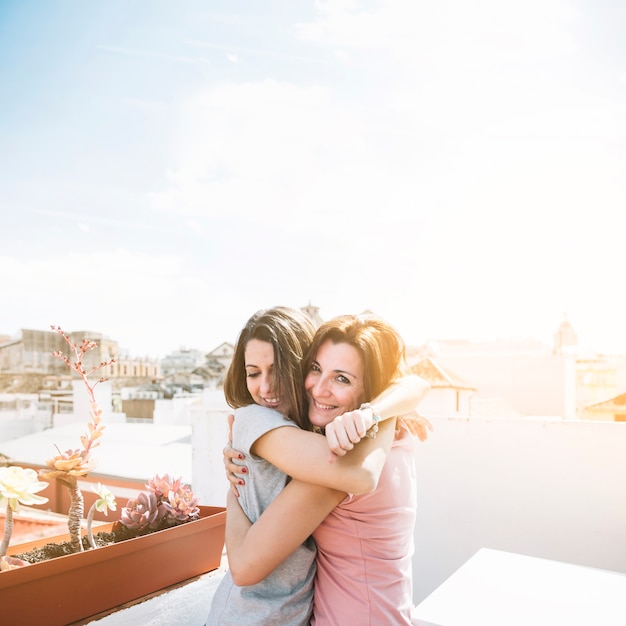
x=365, y=549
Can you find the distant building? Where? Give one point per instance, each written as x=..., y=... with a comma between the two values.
x=216, y=364
x=612, y=410
x=31, y=353
x=449, y=395
x=597, y=380
x=530, y=378
x=133, y=367
x=526, y=374
x=29, y=356
x=565, y=339
x=314, y=313
x=182, y=360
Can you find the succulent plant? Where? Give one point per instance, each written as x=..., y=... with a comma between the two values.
x=69, y=463
x=161, y=486
x=144, y=511
x=167, y=503
x=18, y=485
x=181, y=504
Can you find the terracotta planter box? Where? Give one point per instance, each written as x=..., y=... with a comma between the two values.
x=73, y=587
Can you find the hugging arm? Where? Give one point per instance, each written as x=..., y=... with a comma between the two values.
x=303, y=455
x=255, y=550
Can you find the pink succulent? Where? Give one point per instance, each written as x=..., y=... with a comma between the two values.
x=181, y=504
x=144, y=511
x=161, y=486
x=168, y=503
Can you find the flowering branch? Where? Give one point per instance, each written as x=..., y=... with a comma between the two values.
x=69, y=465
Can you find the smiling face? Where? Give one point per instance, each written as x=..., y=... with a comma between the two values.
x=259, y=365
x=334, y=383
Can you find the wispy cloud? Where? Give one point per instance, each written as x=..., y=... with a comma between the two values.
x=253, y=51
x=149, y=54
x=83, y=220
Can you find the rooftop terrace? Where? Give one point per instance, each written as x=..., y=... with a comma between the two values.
x=546, y=489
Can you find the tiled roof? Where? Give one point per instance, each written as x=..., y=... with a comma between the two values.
x=438, y=377
x=616, y=404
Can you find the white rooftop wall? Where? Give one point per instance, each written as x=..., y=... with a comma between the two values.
x=553, y=489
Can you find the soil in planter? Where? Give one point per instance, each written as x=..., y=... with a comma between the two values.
x=53, y=550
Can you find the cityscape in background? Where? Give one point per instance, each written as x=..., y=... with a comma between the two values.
x=496, y=379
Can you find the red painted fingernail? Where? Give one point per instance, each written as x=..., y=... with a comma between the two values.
x=240, y=482
x=240, y=456
x=244, y=470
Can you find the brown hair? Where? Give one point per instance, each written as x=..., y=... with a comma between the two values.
x=290, y=332
x=381, y=348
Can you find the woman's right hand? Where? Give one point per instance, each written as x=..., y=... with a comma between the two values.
x=348, y=429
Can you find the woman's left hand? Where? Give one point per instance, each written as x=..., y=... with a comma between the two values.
x=232, y=468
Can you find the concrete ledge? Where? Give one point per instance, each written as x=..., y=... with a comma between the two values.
x=187, y=603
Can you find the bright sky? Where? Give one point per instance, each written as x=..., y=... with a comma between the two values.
x=168, y=168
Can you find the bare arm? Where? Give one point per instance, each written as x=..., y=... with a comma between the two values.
x=401, y=397
x=303, y=455
x=255, y=550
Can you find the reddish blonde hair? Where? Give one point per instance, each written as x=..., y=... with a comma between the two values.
x=381, y=348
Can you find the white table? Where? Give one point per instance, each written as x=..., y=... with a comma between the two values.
x=497, y=588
